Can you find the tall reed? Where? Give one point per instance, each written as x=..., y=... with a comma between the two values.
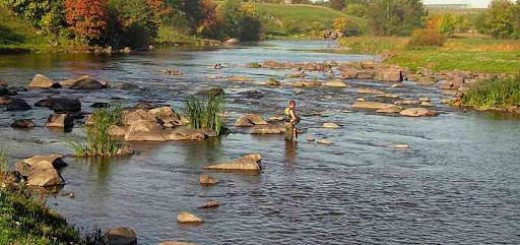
x=204, y=113
x=99, y=142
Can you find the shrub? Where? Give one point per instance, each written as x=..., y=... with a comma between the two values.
x=204, y=113
x=359, y=10
x=497, y=93
x=346, y=26
x=241, y=21
x=395, y=17
x=501, y=20
x=99, y=142
x=88, y=18
x=427, y=37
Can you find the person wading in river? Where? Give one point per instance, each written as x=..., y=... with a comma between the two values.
x=291, y=120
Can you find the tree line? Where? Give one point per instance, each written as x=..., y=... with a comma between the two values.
x=135, y=23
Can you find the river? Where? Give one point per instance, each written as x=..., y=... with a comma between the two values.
x=457, y=183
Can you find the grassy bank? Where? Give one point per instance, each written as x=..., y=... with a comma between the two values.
x=469, y=53
x=502, y=94
x=18, y=35
x=298, y=21
x=23, y=221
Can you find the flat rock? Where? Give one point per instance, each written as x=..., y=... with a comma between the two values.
x=391, y=110
x=337, y=83
x=210, y=204
x=418, y=112
x=371, y=105
x=142, y=130
x=251, y=162
x=324, y=142
x=330, y=125
x=268, y=129
x=87, y=82
x=188, y=218
x=250, y=120
x=64, y=121
x=120, y=236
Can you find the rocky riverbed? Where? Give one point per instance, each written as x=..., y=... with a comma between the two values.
x=380, y=152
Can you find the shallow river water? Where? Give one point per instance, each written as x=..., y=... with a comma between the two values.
x=457, y=183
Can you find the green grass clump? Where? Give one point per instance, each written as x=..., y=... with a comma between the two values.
x=3, y=165
x=23, y=221
x=99, y=142
x=494, y=94
x=204, y=113
x=373, y=45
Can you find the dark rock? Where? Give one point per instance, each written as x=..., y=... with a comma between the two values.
x=120, y=236
x=16, y=104
x=100, y=105
x=144, y=105
x=216, y=91
x=4, y=91
x=23, y=123
x=60, y=105
x=128, y=86
x=86, y=82
x=253, y=94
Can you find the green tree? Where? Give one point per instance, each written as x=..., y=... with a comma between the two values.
x=501, y=19
x=396, y=17
x=132, y=24
x=47, y=15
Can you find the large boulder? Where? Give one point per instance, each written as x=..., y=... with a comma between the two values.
x=250, y=120
x=188, y=218
x=16, y=104
x=42, y=170
x=418, y=112
x=41, y=82
x=64, y=121
x=120, y=236
x=371, y=105
x=87, y=82
x=143, y=130
x=251, y=162
x=60, y=105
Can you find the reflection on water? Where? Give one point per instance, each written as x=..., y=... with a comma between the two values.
x=458, y=183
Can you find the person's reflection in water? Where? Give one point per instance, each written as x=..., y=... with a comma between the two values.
x=290, y=152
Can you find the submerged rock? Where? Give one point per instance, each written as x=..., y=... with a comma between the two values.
x=207, y=180
x=210, y=204
x=324, y=142
x=120, y=236
x=251, y=162
x=216, y=91
x=391, y=110
x=16, y=104
x=418, y=112
x=268, y=129
x=42, y=170
x=23, y=123
x=188, y=218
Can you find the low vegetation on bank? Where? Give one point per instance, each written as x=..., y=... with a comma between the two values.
x=502, y=94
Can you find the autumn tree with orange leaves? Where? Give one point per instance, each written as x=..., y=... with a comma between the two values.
x=87, y=18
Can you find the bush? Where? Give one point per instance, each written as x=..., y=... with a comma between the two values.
x=204, y=113
x=241, y=21
x=395, y=17
x=99, y=142
x=497, y=93
x=346, y=26
x=359, y=10
x=88, y=19
x=427, y=37
x=501, y=20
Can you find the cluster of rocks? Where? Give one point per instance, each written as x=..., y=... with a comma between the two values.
x=82, y=83
x=316, y=66
x=256, y=124
x=371, y=71
x=388, y=108
x=154, y=124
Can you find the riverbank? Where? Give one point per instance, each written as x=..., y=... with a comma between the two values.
x=464, y=53
x=24, y=221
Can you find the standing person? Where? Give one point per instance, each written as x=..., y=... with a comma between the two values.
x=292, y=120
